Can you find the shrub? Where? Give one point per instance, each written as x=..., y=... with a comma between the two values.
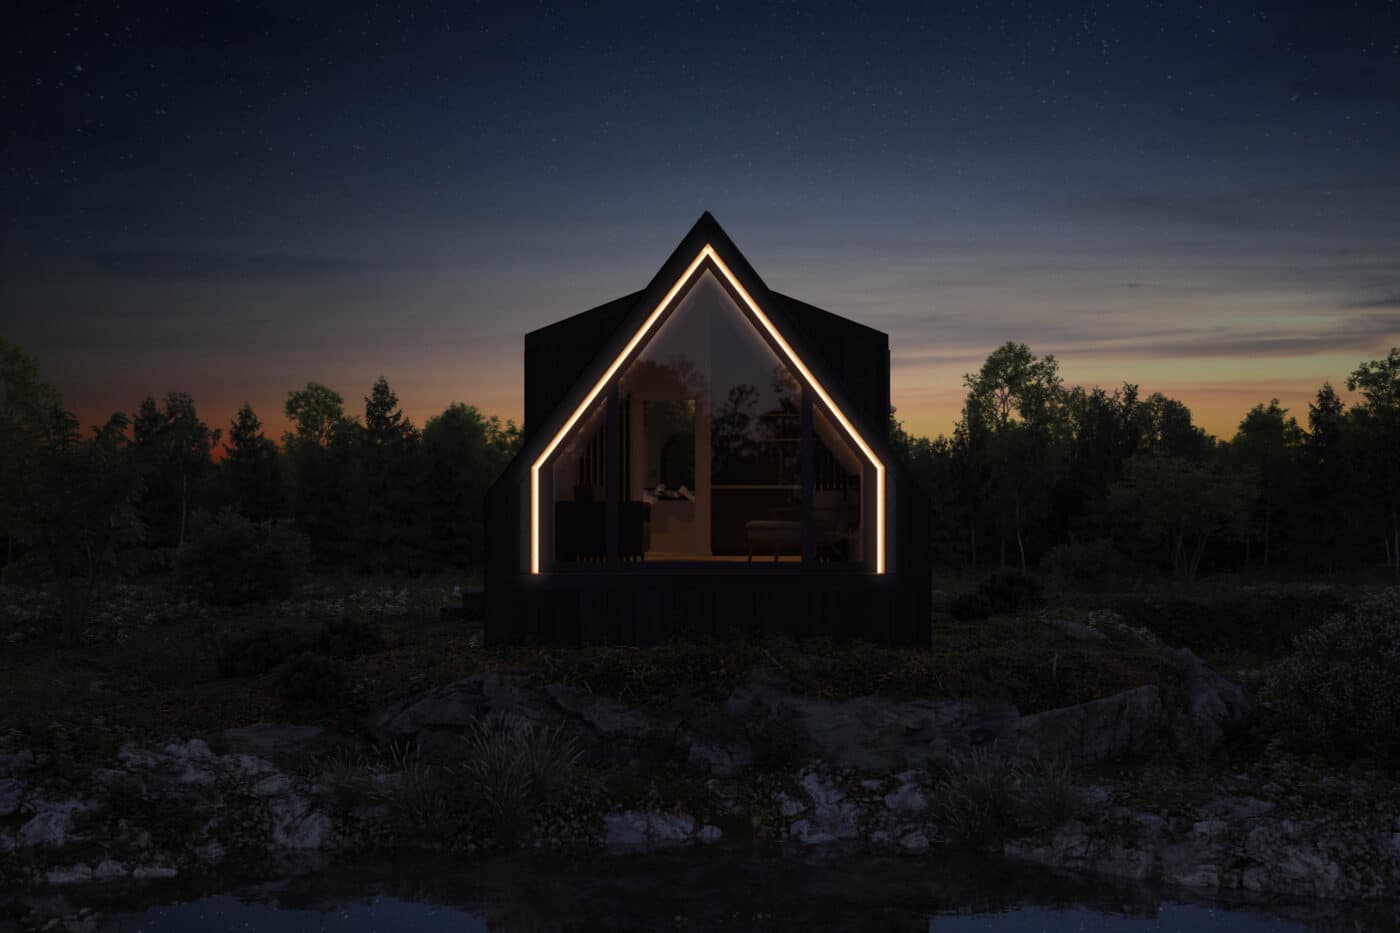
x=231, y=560
x=982, y=799
x=266, y=650
x=1007, y=592
x=1339, y=693
x=347, y=638
x=970, y=606
x=511, y=767
x=258, y=653
x=1092, y=563
x=308, y=679
x=1263, y=622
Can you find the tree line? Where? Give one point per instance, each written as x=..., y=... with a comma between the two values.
x=371, y=491
x=1078, y=482
x=1092, y=482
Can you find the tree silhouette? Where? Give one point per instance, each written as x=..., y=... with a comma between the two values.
x=391, y=522
x=1180, y=504
x=1378, y=430
x=464, y=452
x=316, y=412
x=251, y=472
x=175, y=449
x=1029, y=466
x=322, y=454
x=1015, y=407
x=1267, y=446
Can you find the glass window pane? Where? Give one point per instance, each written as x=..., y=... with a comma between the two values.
x=713, y=435
x=838, y=492
x=579, y=490
x=710, y=434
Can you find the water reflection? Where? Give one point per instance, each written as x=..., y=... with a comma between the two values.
x=695, y=891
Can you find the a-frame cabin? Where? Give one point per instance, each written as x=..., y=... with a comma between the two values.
x=706, y=457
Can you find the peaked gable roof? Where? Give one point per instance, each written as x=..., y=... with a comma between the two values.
x=706, y=246
x=853, y=356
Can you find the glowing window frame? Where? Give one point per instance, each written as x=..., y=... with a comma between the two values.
x=657, y=313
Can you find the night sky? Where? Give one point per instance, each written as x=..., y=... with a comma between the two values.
x=231, y=199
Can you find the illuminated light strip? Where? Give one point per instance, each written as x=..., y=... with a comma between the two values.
x=706, y=253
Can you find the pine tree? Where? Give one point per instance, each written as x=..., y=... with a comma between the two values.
x=251, y=472
x=1327, y=500
x=1376, y=426
x=392, y=525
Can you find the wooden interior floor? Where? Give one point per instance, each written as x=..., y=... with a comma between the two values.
x=739, y=558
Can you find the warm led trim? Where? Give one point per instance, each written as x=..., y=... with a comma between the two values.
x=707, y=253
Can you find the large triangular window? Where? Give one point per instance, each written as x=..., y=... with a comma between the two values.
x=707, y=441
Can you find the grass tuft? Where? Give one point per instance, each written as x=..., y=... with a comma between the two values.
x=982, y=799
x=511, y=767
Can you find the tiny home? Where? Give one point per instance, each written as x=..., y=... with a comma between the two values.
x=706, y=457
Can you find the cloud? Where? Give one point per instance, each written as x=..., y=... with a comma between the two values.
x=960, y=341
x=1382, y=301
x=195, y=266
x=1227, y=211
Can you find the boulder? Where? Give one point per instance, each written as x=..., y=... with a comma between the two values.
x=718, y=759
x=645, y=829
x=605, y=729
x=1073, y=628
x=110, y=870
x=908, y=800
x=73, y=874
x=282, y=740
x=11, y=794
x=873, y=733
x=13, y=761
x=51, y=823
x=296, y=824
x=833, y=816
x=1211, y=707
x=1129, y=721
x=624, y=830
x=915, y=842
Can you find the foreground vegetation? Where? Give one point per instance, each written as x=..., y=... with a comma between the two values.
x=124, y=731
x=157, y=662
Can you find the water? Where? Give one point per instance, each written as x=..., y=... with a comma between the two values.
x=381, y=914
x=709, y=890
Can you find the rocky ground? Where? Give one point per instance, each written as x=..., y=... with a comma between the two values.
x=895, y=776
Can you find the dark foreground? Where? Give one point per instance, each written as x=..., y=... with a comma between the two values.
x=734, y=889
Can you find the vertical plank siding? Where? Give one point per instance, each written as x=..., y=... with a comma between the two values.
x=616, y=608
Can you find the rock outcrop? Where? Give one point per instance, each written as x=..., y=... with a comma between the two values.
x=874, y=733
x=870, y=733
x=867, y=771
x=1128, y=722
x=1233, y=840
x=606, y=730
x=199, y=804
